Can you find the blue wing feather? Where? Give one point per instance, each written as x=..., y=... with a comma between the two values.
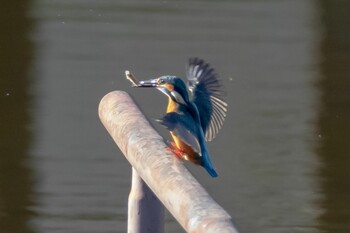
x=183, y=127
x=208, y=96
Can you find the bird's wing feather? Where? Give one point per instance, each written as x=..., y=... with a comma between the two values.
x=208, y=96
x=183, y=127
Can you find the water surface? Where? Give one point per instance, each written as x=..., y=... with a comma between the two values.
x=281, y=155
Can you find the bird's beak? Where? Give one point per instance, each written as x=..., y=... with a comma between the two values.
x=148, y=83
x=154, y=83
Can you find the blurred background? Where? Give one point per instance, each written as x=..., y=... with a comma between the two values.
x=283, y=155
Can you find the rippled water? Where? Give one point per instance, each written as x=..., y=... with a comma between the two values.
x=282, y=156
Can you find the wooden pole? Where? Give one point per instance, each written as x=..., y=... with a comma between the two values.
x=163, y=172
x=145, y=211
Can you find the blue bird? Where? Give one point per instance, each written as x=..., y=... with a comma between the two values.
x=195, y=113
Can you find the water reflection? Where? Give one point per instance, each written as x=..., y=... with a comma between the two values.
x=16, y=179
x=334, y=117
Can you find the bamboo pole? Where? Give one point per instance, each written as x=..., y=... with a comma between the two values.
x=163, y=172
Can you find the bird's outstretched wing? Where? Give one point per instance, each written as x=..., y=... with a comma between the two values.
x=208, y=96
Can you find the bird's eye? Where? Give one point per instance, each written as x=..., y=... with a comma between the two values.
x=160, y=81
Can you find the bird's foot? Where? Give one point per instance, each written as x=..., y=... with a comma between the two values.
x=176, y=151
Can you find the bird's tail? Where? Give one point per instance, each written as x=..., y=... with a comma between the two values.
x=206, y=163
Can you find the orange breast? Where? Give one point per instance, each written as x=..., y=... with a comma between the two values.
x=191, y=154
x=172, y=106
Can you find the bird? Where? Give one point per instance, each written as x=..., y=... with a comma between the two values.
x=195, y=112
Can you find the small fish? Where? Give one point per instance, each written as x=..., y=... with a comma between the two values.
x=131, y=78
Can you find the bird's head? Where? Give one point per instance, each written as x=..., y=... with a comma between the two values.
x=171, y=86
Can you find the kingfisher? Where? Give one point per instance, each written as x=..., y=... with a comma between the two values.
x=195, y=112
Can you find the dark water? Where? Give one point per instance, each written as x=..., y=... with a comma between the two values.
x=282, y=156
x=333, y=119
